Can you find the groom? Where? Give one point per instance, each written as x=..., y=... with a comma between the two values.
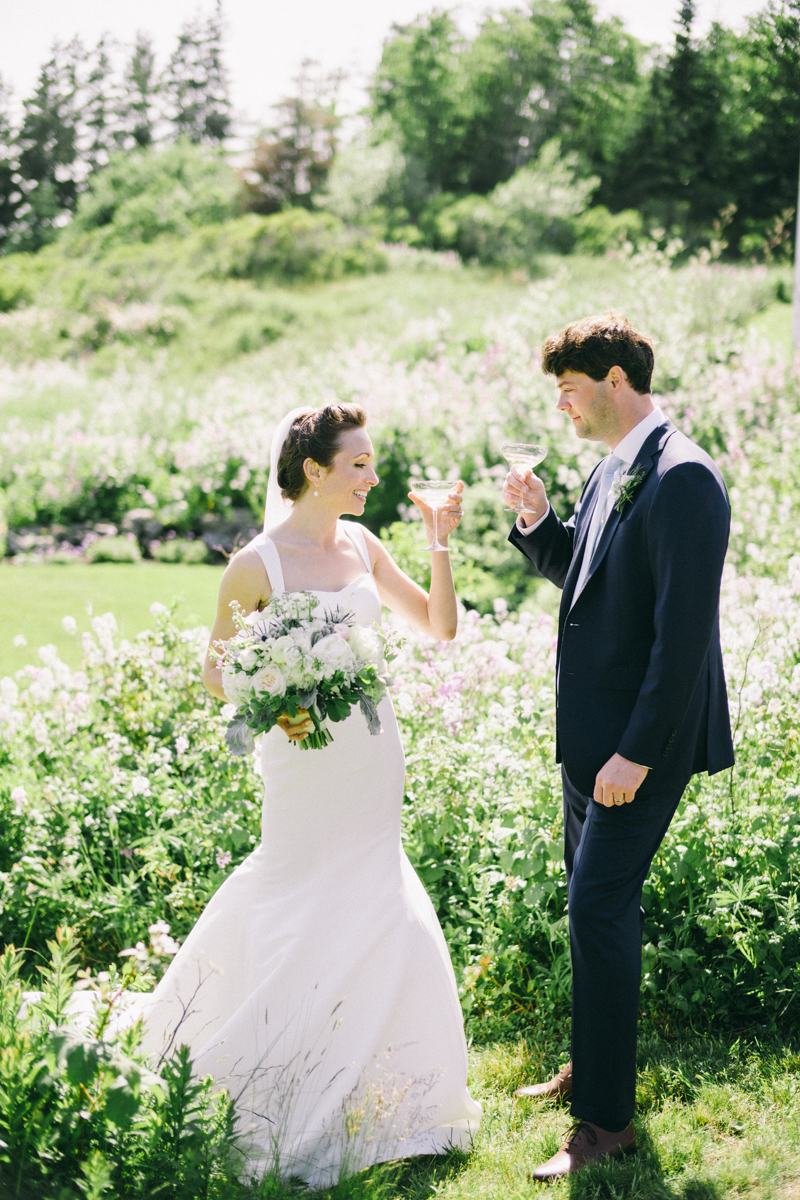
x=641, y=693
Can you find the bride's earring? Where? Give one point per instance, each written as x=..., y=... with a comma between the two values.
x=316, y=493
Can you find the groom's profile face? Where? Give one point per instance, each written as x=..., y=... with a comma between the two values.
x=588, y=403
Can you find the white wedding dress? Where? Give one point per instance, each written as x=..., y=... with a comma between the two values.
x=317, y=986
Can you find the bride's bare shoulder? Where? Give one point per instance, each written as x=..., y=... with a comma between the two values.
x=246, y=569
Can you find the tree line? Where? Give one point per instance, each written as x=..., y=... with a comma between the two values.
x=461, y=135
x=699, y=135
x=90, y=103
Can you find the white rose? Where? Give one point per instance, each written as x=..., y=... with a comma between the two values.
x=366, y=644
x=235, y=685
x=248, y=658
x=281, y=647
x=334, y=653
x=293, y=655
x=270, y=680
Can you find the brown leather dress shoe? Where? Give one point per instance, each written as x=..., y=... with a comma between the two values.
x=557, y=1088
x=585, y=1144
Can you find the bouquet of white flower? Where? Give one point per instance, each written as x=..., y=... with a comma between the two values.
x=291, y=660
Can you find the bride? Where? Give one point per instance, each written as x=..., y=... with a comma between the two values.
x=317, y=986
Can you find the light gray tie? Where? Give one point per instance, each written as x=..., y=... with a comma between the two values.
x=598, y=519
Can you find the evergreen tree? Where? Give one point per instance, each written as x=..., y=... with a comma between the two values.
x=97, y=108
x=680, y=165
x=48, y=147
x=11, y=197
x=136, y=108
x=195, y=83
x=766, y=178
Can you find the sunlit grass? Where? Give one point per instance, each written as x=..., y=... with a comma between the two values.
x=34, y=599
x=718, y=1120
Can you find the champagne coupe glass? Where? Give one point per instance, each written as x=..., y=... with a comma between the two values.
x=520, y=454
x=436, y=494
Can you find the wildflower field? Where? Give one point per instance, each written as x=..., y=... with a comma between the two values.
x=122, y=812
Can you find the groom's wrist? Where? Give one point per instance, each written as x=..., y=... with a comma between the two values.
x=523, y=519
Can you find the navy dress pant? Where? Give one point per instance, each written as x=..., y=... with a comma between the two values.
x=608, y=852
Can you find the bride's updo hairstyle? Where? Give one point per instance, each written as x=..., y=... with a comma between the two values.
x=317, y=436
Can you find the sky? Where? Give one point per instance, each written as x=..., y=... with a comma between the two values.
x=267, y=40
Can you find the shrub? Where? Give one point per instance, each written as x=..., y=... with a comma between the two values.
x=532, y=212
x=113, y=550
x=180, y=550
x=438, y=399
x=295, y=245
x=141, y=195
x=597, y=230
x=82, y=1113
x=19, y=279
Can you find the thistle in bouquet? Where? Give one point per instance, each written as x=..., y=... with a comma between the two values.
x=296, y=660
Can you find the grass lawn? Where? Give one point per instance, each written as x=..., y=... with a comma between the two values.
x=718, y=1119
x=34, y=599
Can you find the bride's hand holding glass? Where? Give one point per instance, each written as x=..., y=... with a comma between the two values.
x=440, y=525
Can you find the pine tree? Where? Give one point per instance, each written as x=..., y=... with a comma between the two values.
x=195, y=83
x=97, y=108
x=48, y=147
x=11, y=198
x=136, y=109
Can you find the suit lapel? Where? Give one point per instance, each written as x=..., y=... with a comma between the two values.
x=646, y=457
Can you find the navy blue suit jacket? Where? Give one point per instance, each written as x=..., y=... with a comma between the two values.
x=639, y=665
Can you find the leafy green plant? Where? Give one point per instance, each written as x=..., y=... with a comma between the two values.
x=113, y=550
x=139, y=196
x=180, y=550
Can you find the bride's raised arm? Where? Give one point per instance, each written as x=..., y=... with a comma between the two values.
x=245, y=581
x=434, y=612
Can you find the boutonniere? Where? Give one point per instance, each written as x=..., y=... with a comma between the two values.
x=624, y=487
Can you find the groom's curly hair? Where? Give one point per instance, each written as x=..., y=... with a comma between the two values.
x=314, y=435
x=593, y=345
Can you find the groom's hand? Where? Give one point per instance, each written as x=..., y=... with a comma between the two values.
x=618, y=781
x=524, y=492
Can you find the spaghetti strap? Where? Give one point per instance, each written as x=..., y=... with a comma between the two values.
x=356, y=535
x=268, y=551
